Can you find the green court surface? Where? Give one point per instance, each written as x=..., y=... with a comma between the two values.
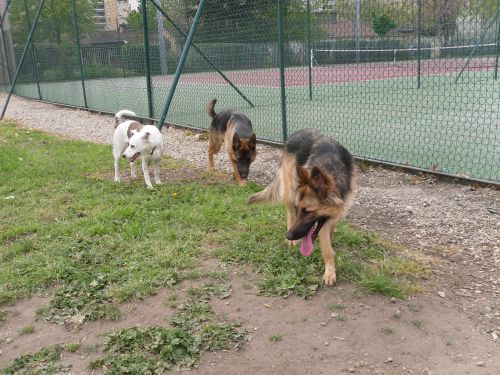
x=454, y=128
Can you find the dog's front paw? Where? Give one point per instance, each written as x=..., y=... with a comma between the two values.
x=117, y=179
x=150, y=187
x=329, y=278
x=158, y=182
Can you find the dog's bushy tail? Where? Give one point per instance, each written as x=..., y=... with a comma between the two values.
x=210, y=108
x=122, y=116
x=272, y=193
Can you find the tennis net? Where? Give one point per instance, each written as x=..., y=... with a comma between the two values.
x=479, y=53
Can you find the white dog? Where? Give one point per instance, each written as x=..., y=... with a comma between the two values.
x=131, y=140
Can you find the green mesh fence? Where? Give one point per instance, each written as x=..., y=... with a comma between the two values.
x=409, y=82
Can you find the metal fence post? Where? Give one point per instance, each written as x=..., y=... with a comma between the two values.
x=419, y=43
x=309, y=47
x=182, y=61
x=7, y=62
x=282, y=70
x=357, y=29
x=202, y=54
x=79, y=52
x=161, y=42
x=30, y=37
x=33, y=50
x=144, y=10
x=497, y=43
x=4, y=40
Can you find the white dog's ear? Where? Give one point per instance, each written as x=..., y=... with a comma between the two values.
x=146, y=136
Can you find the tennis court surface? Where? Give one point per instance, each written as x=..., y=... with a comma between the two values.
x=451, y=123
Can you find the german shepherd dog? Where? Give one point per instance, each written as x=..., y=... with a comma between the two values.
x=316, y=180
x=235, y=130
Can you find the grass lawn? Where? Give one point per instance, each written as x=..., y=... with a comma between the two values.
x=68, y=230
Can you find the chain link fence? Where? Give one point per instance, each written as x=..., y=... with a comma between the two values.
x=408, y=82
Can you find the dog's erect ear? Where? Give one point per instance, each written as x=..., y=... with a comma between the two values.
x=253, y=142
x=146, y=136
x=303, y=175
x=236, y=141
x=321, y=182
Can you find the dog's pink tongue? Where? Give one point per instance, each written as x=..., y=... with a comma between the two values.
x=306, y=247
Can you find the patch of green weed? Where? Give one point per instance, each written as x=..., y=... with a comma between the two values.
x=72, y=347
x=149, y=350
x=27, y=330
x=196, y=328
x=81, y=301
x=222, y=336
x=276, y=338
x=45, y=362
x=336, y=306
x=387, y=330
x=210, y=290
x=376, y=282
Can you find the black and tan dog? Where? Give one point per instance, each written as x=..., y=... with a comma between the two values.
x=316, y=181
x=235, y=130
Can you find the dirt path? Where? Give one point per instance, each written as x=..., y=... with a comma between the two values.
x=453, y=228
x=337, y=331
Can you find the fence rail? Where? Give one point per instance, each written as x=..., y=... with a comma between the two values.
x=403, y=83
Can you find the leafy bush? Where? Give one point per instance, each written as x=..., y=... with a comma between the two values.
x=382, y=24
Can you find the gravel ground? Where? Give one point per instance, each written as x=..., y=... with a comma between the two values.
x=452, y=226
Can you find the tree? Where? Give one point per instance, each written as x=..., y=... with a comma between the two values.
x=484, y=9
x=382, y=24
x=399, y=12
x=181, y=11
x=56, y=20
x=439, y=18
x=134, y=19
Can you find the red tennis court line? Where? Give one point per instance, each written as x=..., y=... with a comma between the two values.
x=333, y=74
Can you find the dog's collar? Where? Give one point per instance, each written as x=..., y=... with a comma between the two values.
x=153, y=150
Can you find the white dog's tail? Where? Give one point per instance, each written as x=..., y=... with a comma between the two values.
x=272, y=193
x=122, y=116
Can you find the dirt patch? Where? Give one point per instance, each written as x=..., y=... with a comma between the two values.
x=339, y=330
x=454, y=226
x=172, y=171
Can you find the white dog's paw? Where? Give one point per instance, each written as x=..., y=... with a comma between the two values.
x=117, y=179
x=158, y=182
x=150, y=187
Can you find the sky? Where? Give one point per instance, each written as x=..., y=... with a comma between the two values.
x=134, y=4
